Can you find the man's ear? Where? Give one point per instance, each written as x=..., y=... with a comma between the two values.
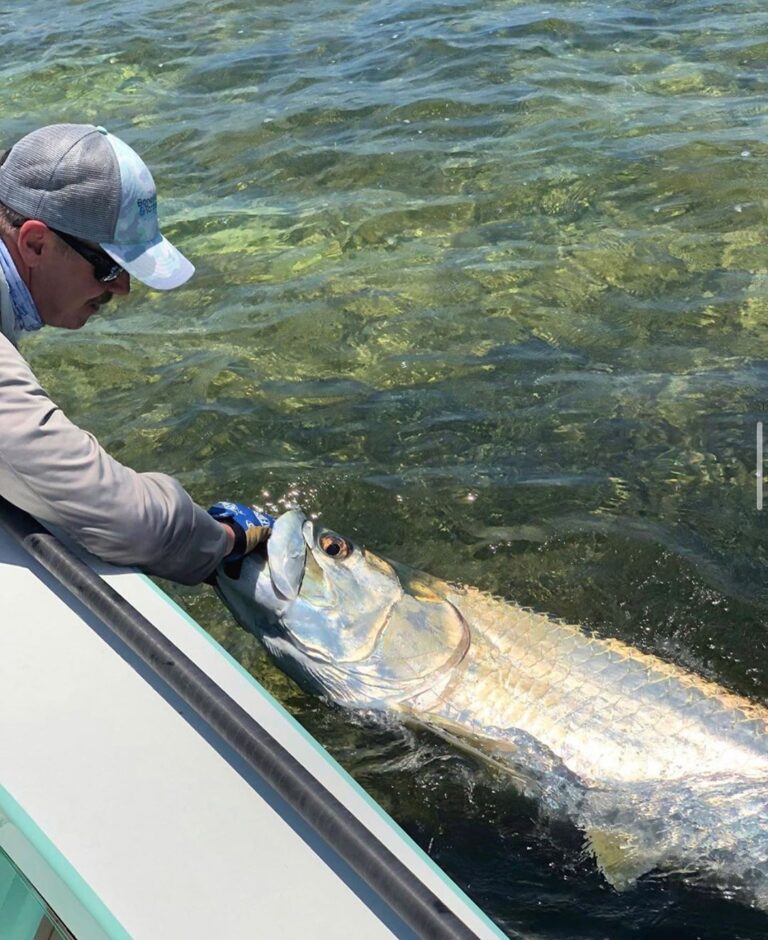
x=33, y=240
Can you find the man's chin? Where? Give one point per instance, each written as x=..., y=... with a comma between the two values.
x=90, y=310
x=76, y=319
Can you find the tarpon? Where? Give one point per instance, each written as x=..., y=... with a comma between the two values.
x=661, y=769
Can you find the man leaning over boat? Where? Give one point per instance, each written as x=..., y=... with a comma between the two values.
x=78, y=219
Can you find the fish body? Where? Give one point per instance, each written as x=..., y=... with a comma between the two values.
x=660, y=768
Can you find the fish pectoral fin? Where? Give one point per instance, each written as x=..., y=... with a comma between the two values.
x=618, y=855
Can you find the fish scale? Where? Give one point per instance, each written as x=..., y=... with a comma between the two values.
x=659, y=768
x=640, y=718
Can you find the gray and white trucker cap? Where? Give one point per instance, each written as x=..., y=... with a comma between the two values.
x=82, y=180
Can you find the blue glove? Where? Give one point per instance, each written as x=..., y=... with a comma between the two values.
x=250, y=526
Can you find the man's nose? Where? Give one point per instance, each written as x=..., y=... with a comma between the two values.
x=120, y=285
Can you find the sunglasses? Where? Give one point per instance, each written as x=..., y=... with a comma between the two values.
x=105, y=268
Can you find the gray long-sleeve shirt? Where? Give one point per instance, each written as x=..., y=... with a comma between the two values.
x=59, y=473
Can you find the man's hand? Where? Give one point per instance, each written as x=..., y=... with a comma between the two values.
x=249, y=527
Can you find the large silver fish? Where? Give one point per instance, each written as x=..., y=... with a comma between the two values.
x=660, y=768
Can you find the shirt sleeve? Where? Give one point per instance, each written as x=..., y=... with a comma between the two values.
x=59, y=473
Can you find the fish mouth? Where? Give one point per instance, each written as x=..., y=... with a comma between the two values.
x=284, y=556
x=270, y=576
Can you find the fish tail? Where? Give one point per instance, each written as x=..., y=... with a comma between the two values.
x=704, y=828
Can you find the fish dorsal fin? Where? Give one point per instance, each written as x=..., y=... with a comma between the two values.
x=619, y=856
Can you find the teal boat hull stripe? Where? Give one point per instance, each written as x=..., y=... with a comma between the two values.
x=12, y=814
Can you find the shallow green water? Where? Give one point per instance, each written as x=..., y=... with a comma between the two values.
x=485, y=286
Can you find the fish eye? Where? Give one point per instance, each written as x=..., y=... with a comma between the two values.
x=335, y=546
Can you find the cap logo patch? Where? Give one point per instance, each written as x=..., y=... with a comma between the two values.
x=147, y=206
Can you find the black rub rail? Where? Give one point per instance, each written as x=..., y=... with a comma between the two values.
x=385, y=874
